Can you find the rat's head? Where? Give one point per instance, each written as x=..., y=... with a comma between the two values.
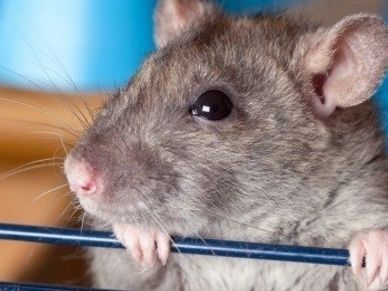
x=227, y=116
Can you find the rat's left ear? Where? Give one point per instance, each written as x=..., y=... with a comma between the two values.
x=347, y=62
x=173, y=17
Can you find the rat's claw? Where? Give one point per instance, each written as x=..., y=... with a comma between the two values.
x=145, y=246
x=163, y=249
x=372, y=246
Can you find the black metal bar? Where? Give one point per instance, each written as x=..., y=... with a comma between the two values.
x=237, y=249
x=8, y=286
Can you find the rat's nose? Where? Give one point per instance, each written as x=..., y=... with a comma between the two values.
x=82, y=177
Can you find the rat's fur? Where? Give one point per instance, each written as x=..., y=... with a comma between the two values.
x=270, y=172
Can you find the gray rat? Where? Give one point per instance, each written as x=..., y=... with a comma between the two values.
x=254, y=128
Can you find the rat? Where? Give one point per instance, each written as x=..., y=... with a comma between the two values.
x=251, y=128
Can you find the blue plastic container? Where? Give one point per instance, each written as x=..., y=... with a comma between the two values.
x=55, y=43
x=82, y=45
x=381, y=97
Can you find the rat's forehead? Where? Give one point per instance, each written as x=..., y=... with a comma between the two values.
x=217, y=53
x=230, y=41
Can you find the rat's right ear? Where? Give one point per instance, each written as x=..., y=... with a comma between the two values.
x=347, y=62
x=175, y=16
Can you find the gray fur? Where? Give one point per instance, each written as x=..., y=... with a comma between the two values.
x=270, y=172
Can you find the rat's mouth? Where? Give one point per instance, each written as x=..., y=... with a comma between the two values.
x=113, y=210
x=140, y=214
x=114, y=197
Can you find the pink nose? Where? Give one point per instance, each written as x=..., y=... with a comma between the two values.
x=81, y=176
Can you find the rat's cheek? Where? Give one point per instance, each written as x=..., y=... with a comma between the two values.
x=89, y=205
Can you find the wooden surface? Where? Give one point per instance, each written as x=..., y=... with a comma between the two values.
x=36, y=126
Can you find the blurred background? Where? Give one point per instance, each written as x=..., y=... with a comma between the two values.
x=58, y=61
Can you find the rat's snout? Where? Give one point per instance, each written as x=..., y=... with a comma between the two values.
x=83, y=178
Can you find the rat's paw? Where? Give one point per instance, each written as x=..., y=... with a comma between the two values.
x=145, y=246
x=374, y=247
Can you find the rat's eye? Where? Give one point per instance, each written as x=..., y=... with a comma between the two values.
x=212, y=105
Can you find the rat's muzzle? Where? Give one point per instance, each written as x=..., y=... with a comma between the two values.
x=83, y=179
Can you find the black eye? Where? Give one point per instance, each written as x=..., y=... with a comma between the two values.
x=212, y=105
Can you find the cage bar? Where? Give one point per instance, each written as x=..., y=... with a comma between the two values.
x=8, y=286
x=187, y=245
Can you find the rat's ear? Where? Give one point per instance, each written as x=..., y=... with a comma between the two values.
x=175, y=16
x=347, y=62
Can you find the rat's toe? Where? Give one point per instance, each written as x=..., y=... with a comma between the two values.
x=145, y=246
x=384, y=267
x=148, y=247
x=163, y=247
x=357, y=253
x=374, y=247
x=133, y=246
x=128, y=236
x=373, y=260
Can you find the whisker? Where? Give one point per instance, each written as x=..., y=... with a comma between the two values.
x=118, y=179
x=72, y=132
x=64, y=149
x=69, y=220
x=64, y=211
x=165, y=182
x=35, y=84
x=62, y=145
x=28, y=169
x=82, y=221
x=125, y=143
x=37, y=109
x=48, y=192
x=70, y=106
x=32, y=163
x=197, y=235
x=67, y=75
x=214, y=214
x=162, y=228
x=41, y=132
x=86, y=124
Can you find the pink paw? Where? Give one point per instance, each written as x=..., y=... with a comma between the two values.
x=374, y=247
x=145, y=246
